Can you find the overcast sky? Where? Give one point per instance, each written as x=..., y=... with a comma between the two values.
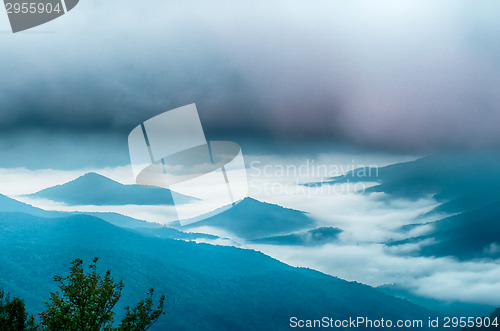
x=408, y=76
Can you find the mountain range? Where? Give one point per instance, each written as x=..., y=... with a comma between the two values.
x=447, y=177
x=466, y=187
x=469, y=235
x=250, y=219
x=207, y=287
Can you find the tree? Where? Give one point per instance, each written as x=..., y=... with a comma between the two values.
x=13, y=315
x=143, y=315
x=86, y=303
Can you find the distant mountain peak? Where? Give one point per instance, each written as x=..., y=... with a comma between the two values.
x=253, y=219
x=94, y=176
x=249, y=201
x=95, y=189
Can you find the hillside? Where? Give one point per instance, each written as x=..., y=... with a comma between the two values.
x=466, y=187
x=10, y=205
x=447, y=177
x=468, y=235
x=227, y=287
x=148, y=228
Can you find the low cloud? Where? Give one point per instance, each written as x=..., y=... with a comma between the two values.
x=369, y=220
x=440, y=278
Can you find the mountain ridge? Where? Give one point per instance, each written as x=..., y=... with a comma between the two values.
x=11, y=205
x=253, y=219
x=195, y=277
x=95, y=189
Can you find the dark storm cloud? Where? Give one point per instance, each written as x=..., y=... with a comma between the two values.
x=408, y=75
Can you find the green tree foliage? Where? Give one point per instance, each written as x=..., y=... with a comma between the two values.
x=143, y=315
x=86, y=303
x=13, y=315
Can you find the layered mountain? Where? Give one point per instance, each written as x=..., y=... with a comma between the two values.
x=447, y=177
x=468, y=235
x=253, y=219
x=207, y=287
x=95, y=189
x=148, y=228
x=467, y=188
x=10, y=205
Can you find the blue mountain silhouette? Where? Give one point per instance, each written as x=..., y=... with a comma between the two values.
x=95, y=189
x=147, y=228
x=468, y=235
x=253, y=219
x=466, y=185
x=447, y=177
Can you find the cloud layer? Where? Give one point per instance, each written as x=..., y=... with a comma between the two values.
x=405, y=75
